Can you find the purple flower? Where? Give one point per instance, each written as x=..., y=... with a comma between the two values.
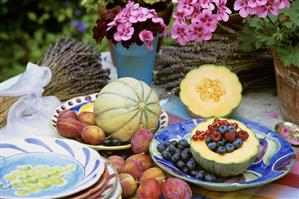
x=223, y=11
x=180, y=32
x=139, y=15
x=147, y=36
x=198, y=33
x=124, y=32
x=283, y=4
x=285, y=132
x=186, y=7
x=79, y=25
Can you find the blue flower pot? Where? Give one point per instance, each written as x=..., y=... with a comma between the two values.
x=136, y=61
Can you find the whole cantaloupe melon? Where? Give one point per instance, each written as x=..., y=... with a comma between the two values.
x=126, y=105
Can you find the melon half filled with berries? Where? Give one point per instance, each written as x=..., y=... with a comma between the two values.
x=225, y=147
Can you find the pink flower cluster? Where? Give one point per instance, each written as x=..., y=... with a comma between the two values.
x=196, y=20
x=128, y=21
x=260, y=8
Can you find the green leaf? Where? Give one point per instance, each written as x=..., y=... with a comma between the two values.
x=289, y=55
x=32, y=16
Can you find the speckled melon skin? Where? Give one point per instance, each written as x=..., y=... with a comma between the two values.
x=126, y=105
x=214, y=163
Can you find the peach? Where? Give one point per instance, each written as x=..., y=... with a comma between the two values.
x=116, y=161
x=149, y=188
x=155, y=173
x=93, y=135
x=145, y=160
x=67, y=114
x=69, y=127
x=133, y=167
x=174, y=188
x=141, y=140
x=128, y=185
x=87, y=117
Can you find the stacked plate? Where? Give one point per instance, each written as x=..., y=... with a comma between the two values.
x=54, y=168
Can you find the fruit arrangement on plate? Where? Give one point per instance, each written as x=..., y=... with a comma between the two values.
x=108, y=120
x=222, y=154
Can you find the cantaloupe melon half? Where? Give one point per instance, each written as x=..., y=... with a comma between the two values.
x=211, y=91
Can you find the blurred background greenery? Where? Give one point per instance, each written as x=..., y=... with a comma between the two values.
x=28, y=27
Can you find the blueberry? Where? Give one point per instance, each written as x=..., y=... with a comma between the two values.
x=194, y=172
x=229, y=147
x=222, y=129
x=200, y=174
x=237, y=143
x=208, y=140
x=185, y=170
x=178, y=150
x=191, y=164
x=166, y=155
x=174, y=143
x=210, y=177
x=221, y=150
x=231, y=129
x=184, y=143
x=161, y=148
x=167, y=143
x=170, y=149
x=175, y=157
x=180, y=164
x=212, y=145
x=185, y=155
x=180, y=146
x=115, y=142
x=107, y=142
x=220, y=143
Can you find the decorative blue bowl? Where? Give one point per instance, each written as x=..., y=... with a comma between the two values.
x=274, y=160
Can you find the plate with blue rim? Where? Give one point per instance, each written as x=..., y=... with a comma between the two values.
x=45, y=167
x=85, y=103
x=274, y=160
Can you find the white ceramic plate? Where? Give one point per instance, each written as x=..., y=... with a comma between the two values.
x=47, y=167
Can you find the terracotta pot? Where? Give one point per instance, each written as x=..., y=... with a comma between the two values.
x=287, y=82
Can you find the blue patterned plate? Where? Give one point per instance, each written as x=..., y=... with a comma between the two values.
x=85, y=103
x=47, y=167
x=274, y=160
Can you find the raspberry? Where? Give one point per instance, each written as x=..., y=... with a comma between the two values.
x=195, y=137
x=230, y=136
x=216, y=136
x=216, y=120
x=243, y=135
x=210, y=127
x=235, y=125
x=201, y=136
x=198, y=132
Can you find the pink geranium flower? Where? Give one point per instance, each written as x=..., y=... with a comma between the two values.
x=139, y=15
x=186, y=7
x=208, y=19
x=283, y=4
x=256, y=3
x=124, y=32
x=198, y=33
x=147, y=36
x=243, y=6
x=263, y=11
x=179, y=17
x=207, y=4
x=180, y=32
x=223, y=11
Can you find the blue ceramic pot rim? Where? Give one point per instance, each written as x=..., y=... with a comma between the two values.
x=136, y=49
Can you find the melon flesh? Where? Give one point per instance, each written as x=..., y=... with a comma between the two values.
x=228, y=164
x=227, y=82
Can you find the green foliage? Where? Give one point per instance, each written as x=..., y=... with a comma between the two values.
x=28, y=27
x=280, y=32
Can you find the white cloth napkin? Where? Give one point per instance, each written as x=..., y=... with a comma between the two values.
x=30, y=115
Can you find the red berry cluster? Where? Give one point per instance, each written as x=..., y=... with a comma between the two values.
x=214, y=133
